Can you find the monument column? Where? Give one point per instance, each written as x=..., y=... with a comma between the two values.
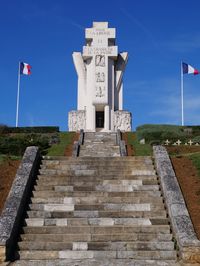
x=100, y=71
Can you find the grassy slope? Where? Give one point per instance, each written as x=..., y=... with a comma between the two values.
x=59, y=149
x=196, y=161
x=139, y=149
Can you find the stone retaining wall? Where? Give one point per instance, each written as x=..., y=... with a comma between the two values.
x=189, y=245
x=16, y=202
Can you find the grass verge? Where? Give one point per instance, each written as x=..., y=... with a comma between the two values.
x=139, y=149
x=4, y=157
x=59, y=149
x=196, y=161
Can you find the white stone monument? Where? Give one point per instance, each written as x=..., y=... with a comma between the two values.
x=100, y=71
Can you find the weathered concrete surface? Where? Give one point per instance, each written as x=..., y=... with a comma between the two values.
x=182, y=225
x=16, y=201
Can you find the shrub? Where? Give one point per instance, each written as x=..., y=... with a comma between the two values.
x=16, y=145
x=159, y=133
x=196, y=139
x=3, y=129
x=47, y=129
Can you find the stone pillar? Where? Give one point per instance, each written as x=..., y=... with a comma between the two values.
x=93, y=118
x=106, y=117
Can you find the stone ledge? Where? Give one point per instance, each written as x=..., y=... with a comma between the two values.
x=182, y=225
x=16, y=202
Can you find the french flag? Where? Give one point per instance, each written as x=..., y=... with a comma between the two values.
x=188, y=69
x=25, y=68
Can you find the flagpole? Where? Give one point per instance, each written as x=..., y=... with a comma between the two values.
x=182, y=104
x=18, y=89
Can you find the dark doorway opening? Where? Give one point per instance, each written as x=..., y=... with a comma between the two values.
x=99, y=119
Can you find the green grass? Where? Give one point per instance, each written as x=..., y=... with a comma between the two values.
x=139, y=149
x=196, y=161
x=59, y=149
x=4, y=157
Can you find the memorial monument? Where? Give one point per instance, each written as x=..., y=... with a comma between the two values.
x=100, y=70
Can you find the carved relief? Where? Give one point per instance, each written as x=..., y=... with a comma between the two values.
x=122, y=121
x=76, y=120
x=100, y=91
x=100, y=60
x=100, y=77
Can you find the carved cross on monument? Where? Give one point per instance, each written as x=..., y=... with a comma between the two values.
x=100, y=47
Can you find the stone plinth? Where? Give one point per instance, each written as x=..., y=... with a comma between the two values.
x=122, y=121
x=76, y=120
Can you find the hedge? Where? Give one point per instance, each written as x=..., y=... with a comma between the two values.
x=17, y=145
x=44, y=129
x=159, y=133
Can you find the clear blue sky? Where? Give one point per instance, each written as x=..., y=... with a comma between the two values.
x=44, y=33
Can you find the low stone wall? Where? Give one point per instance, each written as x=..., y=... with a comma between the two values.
x=183, y=230
x=16, y=202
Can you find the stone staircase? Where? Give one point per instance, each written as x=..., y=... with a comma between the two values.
x=97, y=211
x=99, y=144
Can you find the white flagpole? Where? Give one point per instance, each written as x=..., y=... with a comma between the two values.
x=182, y=104
x=18, y=89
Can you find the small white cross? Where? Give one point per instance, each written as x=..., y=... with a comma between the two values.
x=178, y=142
x=190, y=142
x=167, y=142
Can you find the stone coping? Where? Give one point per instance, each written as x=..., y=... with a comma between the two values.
x=121, y=143
x=183, y=230
x=16, y=202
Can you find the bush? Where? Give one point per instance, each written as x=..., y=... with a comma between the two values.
x=17, y=145
x=159, y=133
x=3, y=129
x=47, y=129
x=196, y=139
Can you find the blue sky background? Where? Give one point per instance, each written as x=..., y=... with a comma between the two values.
x=44, y=33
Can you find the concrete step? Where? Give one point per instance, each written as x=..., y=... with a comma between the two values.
x=70, y=254
x=95, y=172
x=72, y=178
x=95, y=230
x=97, y=165
x=97, y=199
x=96, y=162
x=63, y=182
x=94, y=221
x=99, y=187
x=70, y=206
x=46, y=194
x=125, y=246
x=109, y=160
x=97, y=237
x=97, y=214
x=95, y=262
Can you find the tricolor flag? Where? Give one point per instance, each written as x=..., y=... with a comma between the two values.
x=188, y=69
x=25, y=68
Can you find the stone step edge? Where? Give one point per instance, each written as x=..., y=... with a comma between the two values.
x=67, y=254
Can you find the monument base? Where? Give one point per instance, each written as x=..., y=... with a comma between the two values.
x=77, y=120
x=122, y=120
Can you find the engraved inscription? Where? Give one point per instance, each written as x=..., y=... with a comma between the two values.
x=100, y=60
x=90, y=51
